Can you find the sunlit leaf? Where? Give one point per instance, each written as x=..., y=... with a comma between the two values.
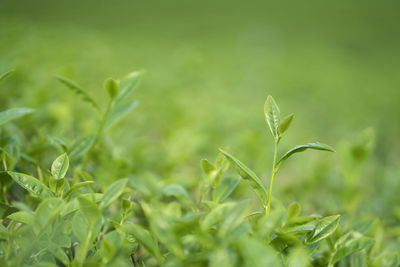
x=31, y=184
x=60, y=166
x=272, y=116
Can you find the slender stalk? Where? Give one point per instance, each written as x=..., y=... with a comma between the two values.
x=271, y=181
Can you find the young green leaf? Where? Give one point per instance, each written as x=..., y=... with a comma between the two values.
x=79, y=91
x=14, y=113
x=77, y=186
x=127, y=84
x=177, y=191
x=225, y=188
x=301, y=148
x=351, y=246
x=81, y=146
x=324, y=228
x=5, y=75
x=31, y=184
x=23, y=217
x=144, y=238
x=272, y=116
x=285, y=123
x=118, y=112
x=113, y=192
x=249, y=176
x=111, y=87
x=294, y=210
x=60, y=166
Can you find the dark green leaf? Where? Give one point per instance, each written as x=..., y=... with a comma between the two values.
x=60, y=166
x=111, y=87
x=249, y=176
x=301, y=148
x=14, y=113
x=272, y=116
x=31, y=184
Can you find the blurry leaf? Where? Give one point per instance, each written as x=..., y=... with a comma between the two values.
x=324, y=228
x=111, y=87
x=60, y=166
x=298, y=257
x=5, y=75
x=89, y=210
x=81, y=146
x=177, y=191
x=225, y=188
x=351, y=246
x=257, y=254
x=31, y=184
x=118, y=112
x=301, y=148
x=207, y=166
x=272, y=116
x=22, y=216
x=215, y=216
x=250, y=176
x=76, y=187
x=59, y=254
x=110, y=245
x=14, y=113
x=79, y=91
x=80, y=226
x=48, y=210
x=7, y=160
x=387, y=259
x=113, y=192
x=222, y=257
x=73, y=205
x=62, y=240
x=285, y=123
x=363, y=226
x=127, y=84
x=144, y=238
x=294, y=210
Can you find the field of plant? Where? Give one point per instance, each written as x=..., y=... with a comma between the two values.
x=216, y=133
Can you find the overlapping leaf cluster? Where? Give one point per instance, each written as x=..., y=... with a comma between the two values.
x=60, y=215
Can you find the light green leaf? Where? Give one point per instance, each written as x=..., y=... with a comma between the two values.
x=111, y=87
x=118, y=112
x=272, y=116
x=285, y=123
x=59, y=254
x=89, y=209
x=144, y=238
x=127, y=84
x=387, y=259
x=14, y=113
x=207, y=166
x=351, y=246
x=60, y=166
x=113, y=192
x=31, y=184
x=23, y=217
x=225, y=188
x=79, y=91
x=177, y=191
x=77, y=186
x=301, y=148
x=324, y=228
x=81, y=146
x=294, y=210
x=249, y=176
x=48, y=210
x=5, y=75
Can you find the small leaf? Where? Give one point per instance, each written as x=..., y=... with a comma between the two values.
x=5, y=75
x=250, y=176
x=79, y=91
x=272, y=116
x=207, y=166
x=127, y=84
x=60, y=166
x=113, y=192
x=294, y=210
x=118, y=112
x=111, y=87
x=177, y=191
x=23, y=217
x=351, y=246
x=144, y=238
x=285, y=123
x=77, y=186
x=14, y=113
x=324, y=228
x=31, y=184
x=81, y=146
x=225, y=188
x=301, y=148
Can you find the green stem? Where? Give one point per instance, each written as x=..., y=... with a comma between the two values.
x=271, y=181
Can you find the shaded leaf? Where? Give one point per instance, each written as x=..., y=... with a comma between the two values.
x=5, y=75
x=351, y=246
x=249, y=176
x=225, y=188
x=81, y=146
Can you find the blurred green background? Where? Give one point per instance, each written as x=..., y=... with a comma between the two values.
x=209, y=68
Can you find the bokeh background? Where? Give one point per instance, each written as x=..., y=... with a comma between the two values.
x=209, y=68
